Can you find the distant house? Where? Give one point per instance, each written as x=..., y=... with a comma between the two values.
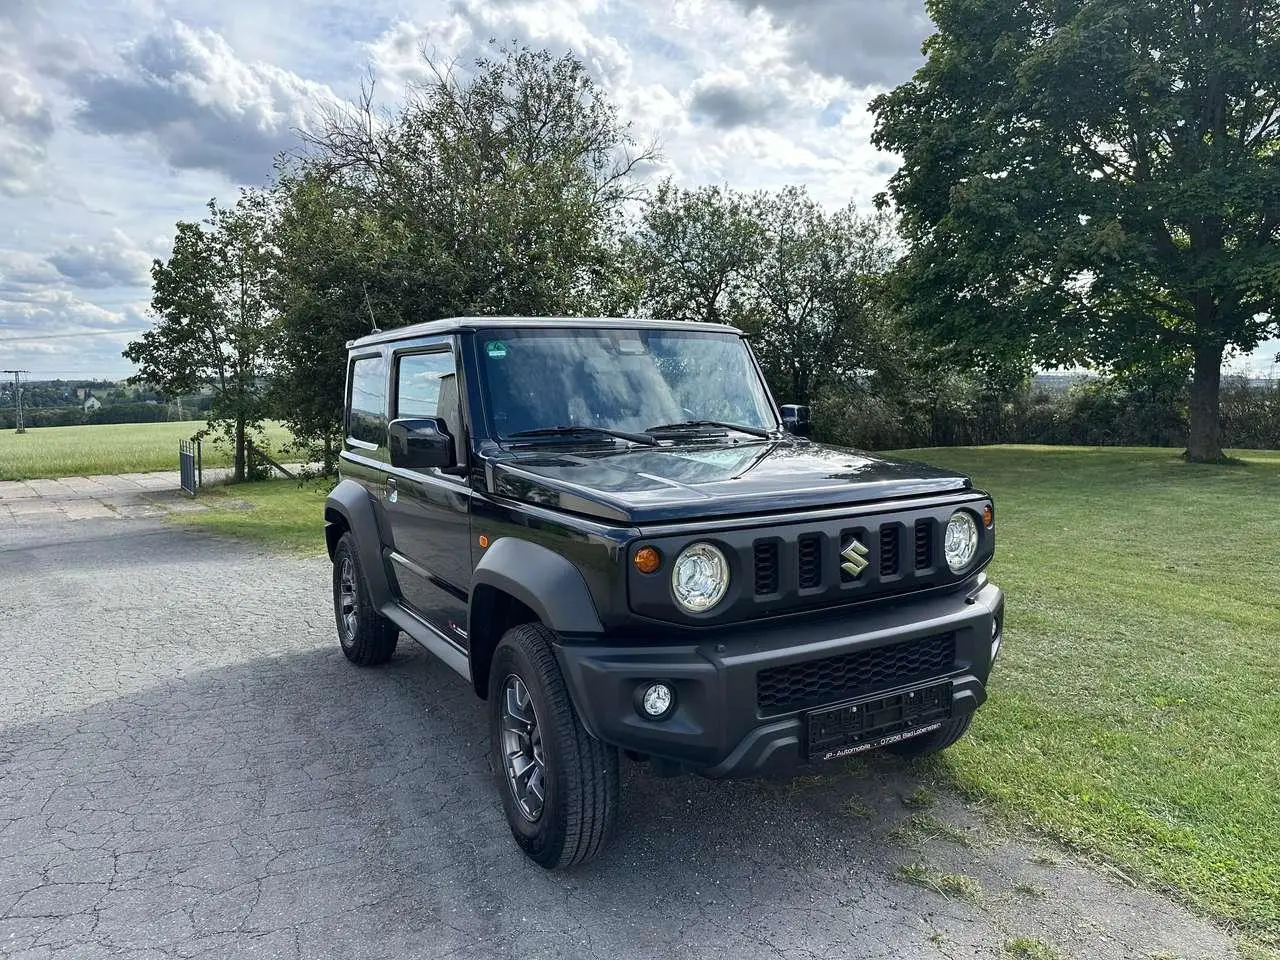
x=91, y=403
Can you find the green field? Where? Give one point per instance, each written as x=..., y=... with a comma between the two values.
x=1135, y=709
x=108, y=448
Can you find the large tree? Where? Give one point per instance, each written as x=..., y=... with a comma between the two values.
x=213, y=325
x=802, y=280
x=1094, y=182
x=696, y=253
x=498, y=187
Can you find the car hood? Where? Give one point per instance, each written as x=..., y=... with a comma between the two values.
x=683, y=481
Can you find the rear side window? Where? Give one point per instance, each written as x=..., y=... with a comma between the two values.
x=418, y=383
x=367, y=421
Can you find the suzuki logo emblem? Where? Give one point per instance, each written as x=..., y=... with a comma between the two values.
x=855, y=559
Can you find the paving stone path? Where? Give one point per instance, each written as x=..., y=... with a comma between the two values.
x=122, y=496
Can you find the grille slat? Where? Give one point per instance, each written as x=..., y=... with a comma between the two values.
x=812, y=683
x=888, y=550
x=766, y=555
x=924, y=544
x=810, y=561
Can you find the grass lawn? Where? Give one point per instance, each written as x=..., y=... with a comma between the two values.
x=1135, y=710
x=83, y=451
x=277, y=512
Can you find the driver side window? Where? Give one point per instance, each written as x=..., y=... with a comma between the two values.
x=426, y=386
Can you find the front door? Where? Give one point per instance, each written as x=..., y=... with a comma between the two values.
x=430, y=510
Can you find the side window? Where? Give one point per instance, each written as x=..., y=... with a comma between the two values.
x=418, y=384
x=367, y=421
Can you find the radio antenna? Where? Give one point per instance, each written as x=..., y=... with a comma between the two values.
x=373, y=321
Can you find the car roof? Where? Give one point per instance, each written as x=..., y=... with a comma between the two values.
x=467, y=324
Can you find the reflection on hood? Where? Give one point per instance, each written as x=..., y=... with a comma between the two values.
x=687, y=480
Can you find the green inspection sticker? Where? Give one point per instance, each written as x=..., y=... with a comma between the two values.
x=496, y=349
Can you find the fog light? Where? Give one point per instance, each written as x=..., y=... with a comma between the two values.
x=658, y=701
x=996, y=637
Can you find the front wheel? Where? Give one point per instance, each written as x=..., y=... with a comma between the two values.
x=931, y=743
x=559, y=784
x=367, y=637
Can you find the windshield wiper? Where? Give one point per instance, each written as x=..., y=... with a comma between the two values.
x=686, y=425
x=643, y=438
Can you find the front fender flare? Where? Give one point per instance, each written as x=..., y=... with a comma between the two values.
x=349, y=504
x=544, y=581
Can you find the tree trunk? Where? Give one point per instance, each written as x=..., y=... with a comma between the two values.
x=1204, y=444
x=239, y=473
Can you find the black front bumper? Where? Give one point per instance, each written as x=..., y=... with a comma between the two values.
x=728, y=722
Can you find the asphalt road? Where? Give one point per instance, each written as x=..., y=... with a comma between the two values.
x=189, y=768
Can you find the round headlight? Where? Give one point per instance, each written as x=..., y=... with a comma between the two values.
x=961, y=543
x=699, y=577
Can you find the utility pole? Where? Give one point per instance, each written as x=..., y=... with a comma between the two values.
x=17, y=397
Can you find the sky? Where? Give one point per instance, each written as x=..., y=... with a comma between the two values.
x=120, y=117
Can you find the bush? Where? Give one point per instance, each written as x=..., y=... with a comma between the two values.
x=1096, y=412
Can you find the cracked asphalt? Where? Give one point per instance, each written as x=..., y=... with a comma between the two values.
x=189, y=768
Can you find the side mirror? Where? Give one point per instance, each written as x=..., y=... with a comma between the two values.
x=795, y=418
x=421, y=443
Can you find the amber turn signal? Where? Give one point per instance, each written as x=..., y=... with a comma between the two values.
x=647, y=560
x=988, y=515
x=484, y=542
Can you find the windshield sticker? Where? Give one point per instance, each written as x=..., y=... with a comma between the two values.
x=496, y=349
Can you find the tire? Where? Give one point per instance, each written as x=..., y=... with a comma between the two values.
x=578, y=774
x=931, y=743
x=368, y=638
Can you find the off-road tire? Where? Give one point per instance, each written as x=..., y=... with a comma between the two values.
x=580, y=774
x=931, y=743
x=368, y=639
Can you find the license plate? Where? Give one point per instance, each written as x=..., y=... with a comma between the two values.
x=876, y=722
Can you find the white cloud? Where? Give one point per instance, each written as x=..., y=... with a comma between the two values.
x=183, y=90
x=113, y=262
x=26, y=125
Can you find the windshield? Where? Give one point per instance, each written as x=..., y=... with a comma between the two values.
x=625, y=380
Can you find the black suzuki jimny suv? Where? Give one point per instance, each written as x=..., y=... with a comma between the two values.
x=610, y=529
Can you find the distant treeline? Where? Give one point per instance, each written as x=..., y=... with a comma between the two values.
x=958, y=411
x=128, y=412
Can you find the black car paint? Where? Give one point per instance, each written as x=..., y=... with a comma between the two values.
x=688, y=480
x=592, y=503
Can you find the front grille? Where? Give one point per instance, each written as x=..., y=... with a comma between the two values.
x=814, y=682
x=888, y=550
x=766, y=567
x=924, y=544
x=810, y=562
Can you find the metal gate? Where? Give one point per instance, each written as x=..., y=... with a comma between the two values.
x=189, y=465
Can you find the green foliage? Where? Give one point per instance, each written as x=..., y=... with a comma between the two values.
x=949, y=409
x=802, y=281
x=697, y=253
x=1093, y=182
x=495, y=192
x=213, y=323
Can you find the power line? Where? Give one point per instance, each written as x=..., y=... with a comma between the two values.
x=17, y=396
x=69, y=336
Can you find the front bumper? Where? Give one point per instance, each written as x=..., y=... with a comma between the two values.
x=719, y=728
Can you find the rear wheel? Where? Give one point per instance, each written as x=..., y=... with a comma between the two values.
x=559, y=784
x=367, y=637
x=930, y=743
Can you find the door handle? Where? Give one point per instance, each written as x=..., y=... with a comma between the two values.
x=392, y=489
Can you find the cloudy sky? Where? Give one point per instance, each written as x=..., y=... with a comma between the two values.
x=118, y=117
